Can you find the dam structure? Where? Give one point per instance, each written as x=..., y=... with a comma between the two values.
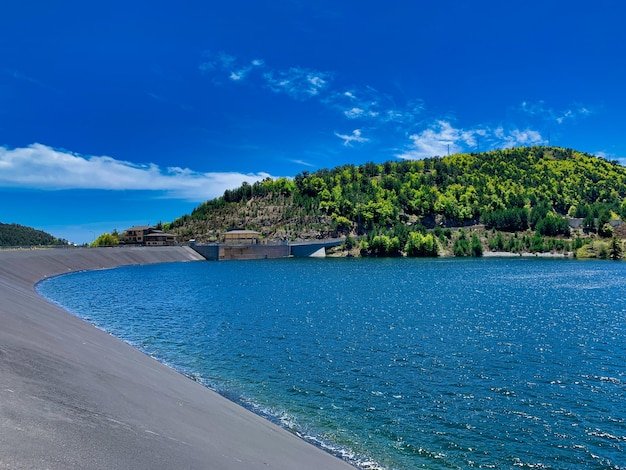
x=74, y=397
x=250, y=250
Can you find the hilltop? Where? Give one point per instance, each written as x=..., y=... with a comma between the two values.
x=20, y=235
x=521, y=191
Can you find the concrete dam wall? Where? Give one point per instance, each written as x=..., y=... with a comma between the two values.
x=217, y=251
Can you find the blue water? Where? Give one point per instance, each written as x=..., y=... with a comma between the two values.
x=393, y=363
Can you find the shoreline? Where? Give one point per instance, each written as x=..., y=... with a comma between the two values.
x=73, y=396
x=526, y=254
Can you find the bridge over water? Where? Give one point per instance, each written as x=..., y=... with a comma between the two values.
x=228, y=251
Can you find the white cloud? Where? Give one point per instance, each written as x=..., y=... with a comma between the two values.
x=442, y=138
x=41, y=167
x=241, y=72
x=540, y=110
x=236, y=76
x=355, y=137
x=517, y=138
x=297, y=82
x=354, y=113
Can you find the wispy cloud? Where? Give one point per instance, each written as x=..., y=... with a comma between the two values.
x=363, y=103
x=348, y=139
x=540, y=110
x=220, y=61
x=242, y=72
x=302, y=162
x=41, y=167
x=376, y=108
x=229, y=65
x=442, y=138
x=379, y=112
x=297, y=82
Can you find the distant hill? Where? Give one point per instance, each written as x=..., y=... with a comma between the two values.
x=530, y=199
x=503, y=189
x=19, y=235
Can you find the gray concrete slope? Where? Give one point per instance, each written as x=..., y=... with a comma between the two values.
x=74, y=397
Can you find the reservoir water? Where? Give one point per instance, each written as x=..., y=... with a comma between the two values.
x=392, y=363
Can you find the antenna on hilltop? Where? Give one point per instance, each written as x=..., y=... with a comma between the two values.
x=448, y=150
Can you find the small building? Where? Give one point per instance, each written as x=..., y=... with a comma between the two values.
x=241, y=237
x=146, y=235
x=135, y=235
x=159, y=238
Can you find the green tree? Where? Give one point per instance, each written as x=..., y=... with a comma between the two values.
x=420, y=245
x=536, y=243
x=106, y=239
x=512, y=245
x=539, y=212
x=507, y=220
x=20, y=235
x=343, y=223
x=477, y=247
x=603, y=226
x=577, y=243
x=589, y=223
x=461, y=245
x=496, y=243
x=384, y=245
x=615, y=249
x=349, y=243
x=552, y=224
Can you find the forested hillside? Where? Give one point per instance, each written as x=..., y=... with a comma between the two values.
x=19, y=235
x=509, y=191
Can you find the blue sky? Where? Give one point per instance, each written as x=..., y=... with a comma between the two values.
x=121, y=113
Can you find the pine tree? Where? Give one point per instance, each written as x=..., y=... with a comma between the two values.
x=477, y=247
x=615, y=249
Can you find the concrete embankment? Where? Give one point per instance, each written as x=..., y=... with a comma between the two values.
x=73, y=397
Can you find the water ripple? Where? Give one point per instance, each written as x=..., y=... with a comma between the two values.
x=395, y=364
